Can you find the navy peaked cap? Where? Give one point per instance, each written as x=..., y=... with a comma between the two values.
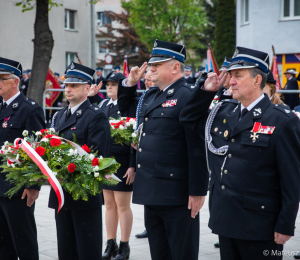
x=114, y=77
x=188, y=68
x=117, y=68
x=244, y=58
x=163, y=51
x=270, y=78
x=201, y=68
x=99, y=69
x=56, y=74
x=10, y=67
x=226, y=63
x=77, y=73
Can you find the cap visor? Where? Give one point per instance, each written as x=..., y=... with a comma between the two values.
x=76, y=81
x=239, y=67
x=158, y=59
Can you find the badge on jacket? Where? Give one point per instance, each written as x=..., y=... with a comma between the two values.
x=169, y=103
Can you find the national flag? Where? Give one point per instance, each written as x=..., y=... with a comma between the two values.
x=274, y=70
x=51, y=83
x=125, y=67
x=211, y=62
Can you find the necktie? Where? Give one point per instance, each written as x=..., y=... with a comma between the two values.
x=244, y=111
x=68, y=115
x=4, y=105
x=158, y=93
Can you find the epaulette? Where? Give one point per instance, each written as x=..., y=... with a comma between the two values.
x=234, y=101
x=94, y=107
x=189, y=86
x=31, y=102
x=284, y=109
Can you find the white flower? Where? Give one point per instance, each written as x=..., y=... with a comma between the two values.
x=71, y=152
x=121, y=127
x=75, y=151
x=134, y=126
x=9, y=149
x=91, y=156
x=96, y=168
x=96, y=174
x=25, y=133
x=133, y=134
x=44, y=140
x=132, y=121
x=8, y=165
x=88, y=173
x=12, y=165
x=54, y=173
x=112, y=127
x=38, y=133
x=101, y=157
x=6, y=143
x=52, y=130
x=127, y=124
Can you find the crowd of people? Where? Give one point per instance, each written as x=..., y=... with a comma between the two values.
x=228, y=134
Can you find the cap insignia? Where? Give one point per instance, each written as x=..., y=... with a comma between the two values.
x=235, y=53
x=155, y=44
x=72, y=66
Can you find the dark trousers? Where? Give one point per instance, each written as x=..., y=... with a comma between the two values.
x=173, y=234
x=18, y=236
x=239, y=249
x=79, y=234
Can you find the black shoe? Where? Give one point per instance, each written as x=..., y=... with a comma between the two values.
x=142, y=235
x=111, y=249
x=297, y=256
x=217, y=245
x=123, y=252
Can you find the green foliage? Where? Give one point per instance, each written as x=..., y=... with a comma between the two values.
x=177, y=21
x=123, y=130
x=28, y=5
x=225, y=32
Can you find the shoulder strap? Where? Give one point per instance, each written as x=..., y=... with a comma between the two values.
x=102, y=103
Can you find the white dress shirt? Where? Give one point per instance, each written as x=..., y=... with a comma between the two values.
x=12, y=98
x=73, y=109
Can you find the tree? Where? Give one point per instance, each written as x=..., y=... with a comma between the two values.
x=225, y=32
x=123, y=40
x=177, y=21
x=43, y=43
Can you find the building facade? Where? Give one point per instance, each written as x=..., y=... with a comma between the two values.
x=261, y=24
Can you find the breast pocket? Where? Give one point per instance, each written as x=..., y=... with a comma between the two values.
x=254, y=151
x=170, y=182
x=79, y=134
x=163, y=120
x=14, y=124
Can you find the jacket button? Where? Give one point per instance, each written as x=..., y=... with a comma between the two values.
x=139, y=166
x=144, y=134
x=162, y=114
x=225, y=171
x=140, y=149
x=171, y=174
x=146, y=119
x=262, y=207
x=229, y=155
x=223, y=187
x=232, y=140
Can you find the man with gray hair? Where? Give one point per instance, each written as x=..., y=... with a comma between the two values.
x=253, y=150
x=18, y=236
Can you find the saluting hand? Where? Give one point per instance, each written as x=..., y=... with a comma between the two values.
x=281, y=239
x=32, y=195
x=95, y=89
x=195, y=204
x=130, y=174
x=136, y=74
x=214, y=82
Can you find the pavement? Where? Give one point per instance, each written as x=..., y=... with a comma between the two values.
x=139, y=247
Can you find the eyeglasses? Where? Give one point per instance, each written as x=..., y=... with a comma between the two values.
x=1, y=80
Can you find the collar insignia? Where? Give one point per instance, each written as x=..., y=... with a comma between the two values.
x=15, y=105
x=78, y=112
x=287, y=111
x=32, y=103
x=171, y=91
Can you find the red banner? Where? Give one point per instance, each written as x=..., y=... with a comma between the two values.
x=274, y=70
x=51, y=83
x=125, y=68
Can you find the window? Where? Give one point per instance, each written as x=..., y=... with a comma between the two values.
x=69, y=58
x=101, y=49
x=290, y=9
x=245, y=12
x=102, y=19
x=69, y=19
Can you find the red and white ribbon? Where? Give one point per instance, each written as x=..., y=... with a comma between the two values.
x=45, y=170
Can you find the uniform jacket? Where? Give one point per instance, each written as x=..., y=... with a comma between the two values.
x=254, y=188
x=24, y=114
x=24, y=86
x=91, y=127
x=170, y=157
x=190, y=80
x=292, y=100
x=123, y=153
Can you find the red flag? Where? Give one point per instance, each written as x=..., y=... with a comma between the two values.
x=274, y=70
x=211, y=62
x=51, y=83
x=125, y=68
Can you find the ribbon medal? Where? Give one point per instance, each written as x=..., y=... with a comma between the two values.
x=170, y=103
x=4, y=125
x=260, y=129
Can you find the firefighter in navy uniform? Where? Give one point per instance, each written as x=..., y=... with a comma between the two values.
x=18, y=235
x=79, y=223
x=188, y=71
x=171, y=178
x=291, y=99
x=253, y=150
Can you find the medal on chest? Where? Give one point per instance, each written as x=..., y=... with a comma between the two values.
x=4, y=125
x=258, y=128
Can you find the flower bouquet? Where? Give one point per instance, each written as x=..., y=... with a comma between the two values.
x=123, y=130
x=63, y=163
